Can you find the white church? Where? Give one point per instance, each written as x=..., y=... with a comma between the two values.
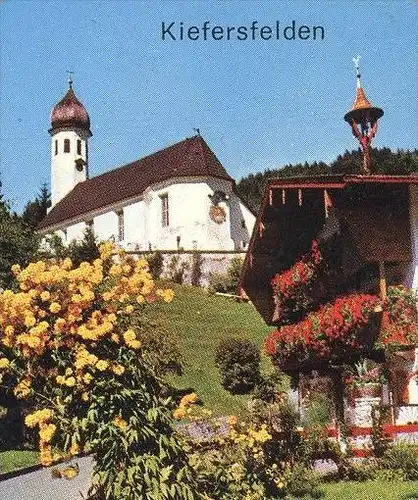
x=178, y=198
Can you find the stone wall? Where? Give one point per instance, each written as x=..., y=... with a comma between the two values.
x=211, y=262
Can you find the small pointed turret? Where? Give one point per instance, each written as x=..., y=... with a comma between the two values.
x=365, y=115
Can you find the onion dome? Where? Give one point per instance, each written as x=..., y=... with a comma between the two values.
x=70, y=112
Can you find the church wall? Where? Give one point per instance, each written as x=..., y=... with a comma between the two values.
x=189, y=205
x=75, y=232
x=135, y=226
x=189, y=219
x=106, y=226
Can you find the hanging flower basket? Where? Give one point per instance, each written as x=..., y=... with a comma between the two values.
x=298, y=289
x=370, y=390
x=336, y=331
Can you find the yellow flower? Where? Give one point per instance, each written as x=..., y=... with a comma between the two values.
x=118, y=369
x=115, y=338
x=129, y=335
x=167, y=295
x=70, y=382
x=75, y=448
x=69, y=472
x=134, y=344
x=54, y=307
x=23, y=388
x=129, y=309
x=115, y=270
x=46, y=455
x=16, y=269
x=45, y=296
x=4, y=363
x=30, y=320
x=38, y=417
x=85, y=396
x=87, y=378
x=66, y=264
x=47, y=432
x=232, y=420
x=60, y=380
x=101, y=365
x=120, y=423
x=179, y=413
x=189, y=399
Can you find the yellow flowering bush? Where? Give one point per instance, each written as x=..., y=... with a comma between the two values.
x=68, y=347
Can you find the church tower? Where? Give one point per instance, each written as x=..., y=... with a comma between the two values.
x=70, y=131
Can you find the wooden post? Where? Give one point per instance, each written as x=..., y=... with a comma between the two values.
x=382, y=280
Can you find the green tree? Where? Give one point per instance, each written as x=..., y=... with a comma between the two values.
x=36, y=210
x=384, y=161
x=18, y=243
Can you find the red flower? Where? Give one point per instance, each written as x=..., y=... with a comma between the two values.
x=332, y=330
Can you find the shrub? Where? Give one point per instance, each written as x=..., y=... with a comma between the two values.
x=69, y=350
x=239, y=364
x=85, y=250
x=160, y=350
x=176, y=269
x=155, y=263
x=402, y=457
x=228, y=282
x=196, y=275
x=301, y=481
x=380, y=440
x=318, y=410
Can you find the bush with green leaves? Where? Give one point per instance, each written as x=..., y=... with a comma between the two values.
x=402, y=457
x=155, y=263
x=239, y=364
x=196, y=271
x=227, y=282
x=176, y=269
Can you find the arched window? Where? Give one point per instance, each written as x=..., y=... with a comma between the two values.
x=66, y=145
x=78, y=147
x=56, y=147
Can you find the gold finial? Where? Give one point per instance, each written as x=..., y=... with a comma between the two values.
x=356, y=61
x=70, y=78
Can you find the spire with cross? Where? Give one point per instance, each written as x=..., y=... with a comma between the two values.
x=70, y=78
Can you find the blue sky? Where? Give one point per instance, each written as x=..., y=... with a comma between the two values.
x=258, y=103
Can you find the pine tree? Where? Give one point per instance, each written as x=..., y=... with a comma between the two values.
x=36, y=210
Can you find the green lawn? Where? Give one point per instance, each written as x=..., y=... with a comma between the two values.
x=16, y=459
x=200, y=321
x=371, y=490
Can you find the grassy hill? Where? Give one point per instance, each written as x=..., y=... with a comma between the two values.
x=200, y=321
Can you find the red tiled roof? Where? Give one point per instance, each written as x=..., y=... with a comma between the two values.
x=191, y=157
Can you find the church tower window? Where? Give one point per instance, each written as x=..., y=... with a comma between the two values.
x=56, y=147
x=78, y=147
x=164, y=210
x=66, y=145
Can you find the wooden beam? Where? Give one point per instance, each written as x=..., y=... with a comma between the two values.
x=382, y=280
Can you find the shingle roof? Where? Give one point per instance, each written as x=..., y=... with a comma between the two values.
x=191, y=157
